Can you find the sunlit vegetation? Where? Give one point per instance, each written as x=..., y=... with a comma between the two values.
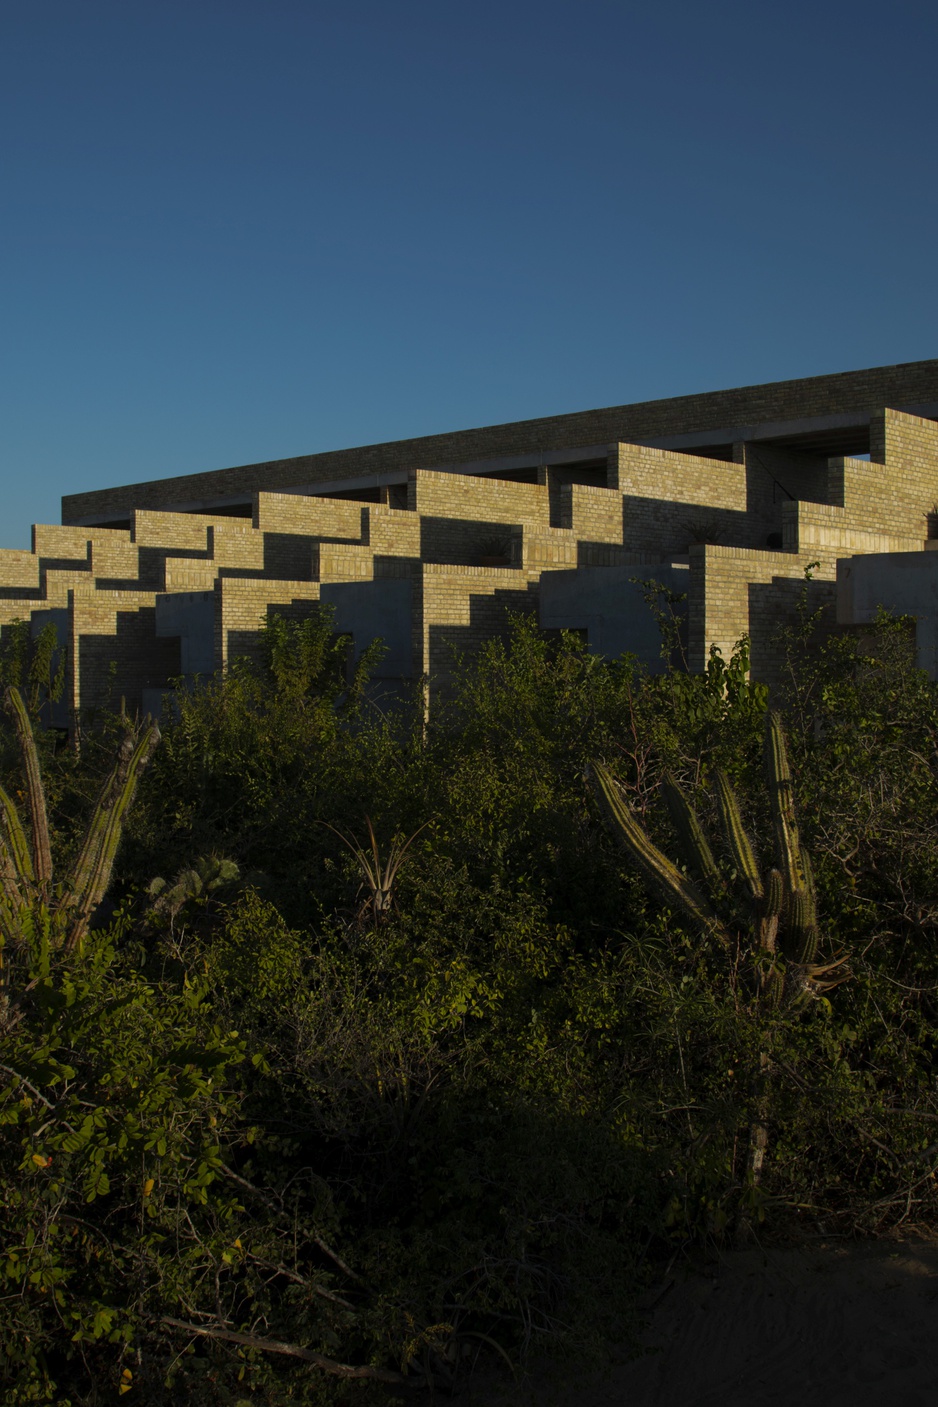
x=340, y=1052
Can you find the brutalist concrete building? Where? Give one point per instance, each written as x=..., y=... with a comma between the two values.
x=723, y=498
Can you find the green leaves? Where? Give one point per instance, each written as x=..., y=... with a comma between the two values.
x=146, y=1083
x=471, y=1112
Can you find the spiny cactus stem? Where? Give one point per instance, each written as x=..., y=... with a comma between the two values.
x=692, y=840
x=667, y=877
x=768, y=931
x=10, y=927
x=18, y=848
x=782, y=804
x=42, y=853
x=83, y=869
x=738, y=841
x=802, y=923
x=93, y=870
x=774, y=894
x=9, y=880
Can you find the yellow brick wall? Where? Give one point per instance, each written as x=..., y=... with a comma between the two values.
x=344, y=561
x=828, y=531
x=554, y=549
x=737, y=591
x=671, y=499
x=189, y=574
x=898, y=489
x=19, y=570
x=311, y=517
x=656, y=504
x=182, y=532
x=245, y=603
x=114, y=652
x=488, y=500
x=458, y=610
x=591, y=514
x=61, y=544
x=115, y=557
x=392, y=532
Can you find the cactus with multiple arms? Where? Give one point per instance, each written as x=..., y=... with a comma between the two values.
x=772, y=914
x=772, y=911
x=26, y=881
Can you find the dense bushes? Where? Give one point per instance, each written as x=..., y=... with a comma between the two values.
x=273, y=1143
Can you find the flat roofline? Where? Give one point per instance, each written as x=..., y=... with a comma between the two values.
x=696, y=419
x=480, y=468
x=778, y=429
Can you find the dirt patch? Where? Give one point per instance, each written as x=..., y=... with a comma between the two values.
x=826, y=1325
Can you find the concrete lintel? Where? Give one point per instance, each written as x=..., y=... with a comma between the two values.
x=195, y=505
x=767, y=430
x=362, y=481
x=778, y=429
x=524, y=461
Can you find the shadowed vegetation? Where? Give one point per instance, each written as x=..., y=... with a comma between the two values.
x=394, y=1047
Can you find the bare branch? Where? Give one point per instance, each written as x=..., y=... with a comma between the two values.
x=301, y=1280
x=29, y=1085
x=270, y=1202
x=291, y=1350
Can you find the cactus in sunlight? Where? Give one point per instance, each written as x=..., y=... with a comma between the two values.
x=27, y=887
x=769, y=916
x=772, y=914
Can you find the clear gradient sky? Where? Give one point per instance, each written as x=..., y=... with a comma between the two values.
x=243, y=229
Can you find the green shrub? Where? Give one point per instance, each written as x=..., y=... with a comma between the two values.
x=395, y=1135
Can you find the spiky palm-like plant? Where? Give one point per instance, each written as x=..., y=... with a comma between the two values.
x=377, y=875
x=27, y=887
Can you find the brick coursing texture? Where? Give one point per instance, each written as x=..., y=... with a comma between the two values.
x=652, y=506
x=906, y=384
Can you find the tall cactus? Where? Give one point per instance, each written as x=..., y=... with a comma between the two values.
x=26, y=880
x=773, y=913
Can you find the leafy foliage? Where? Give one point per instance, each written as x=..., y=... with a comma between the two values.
x=36, y=665
x=310, y=1149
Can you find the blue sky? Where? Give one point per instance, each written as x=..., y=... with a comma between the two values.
x=243, y=229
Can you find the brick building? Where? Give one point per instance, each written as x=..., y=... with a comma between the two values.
x=724, y=497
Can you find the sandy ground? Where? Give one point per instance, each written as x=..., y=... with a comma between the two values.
x=827, y=1325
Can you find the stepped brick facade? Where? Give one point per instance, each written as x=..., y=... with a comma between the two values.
x=727, y=496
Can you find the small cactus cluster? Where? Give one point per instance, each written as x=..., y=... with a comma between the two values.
x=208, y=874
x=26, y=879
x=776, y=911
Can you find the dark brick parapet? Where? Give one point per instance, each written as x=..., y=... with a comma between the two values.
x=908, y=386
